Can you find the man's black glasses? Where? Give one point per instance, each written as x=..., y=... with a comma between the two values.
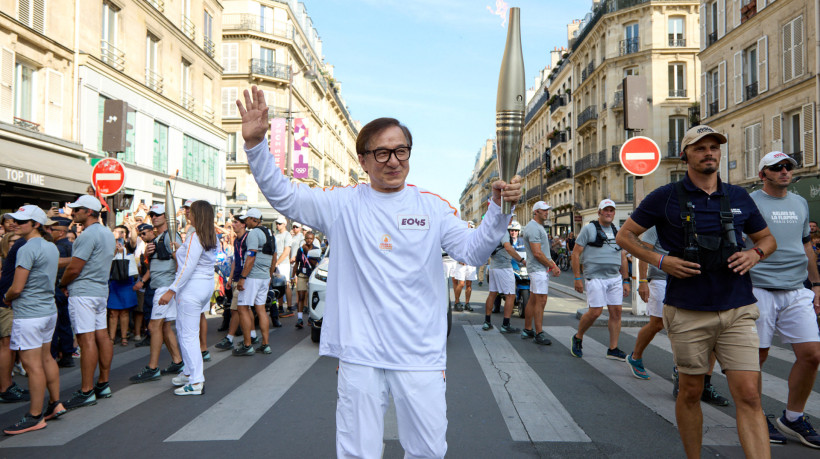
x=780, y=167
x=382, y=155
x=20, y=222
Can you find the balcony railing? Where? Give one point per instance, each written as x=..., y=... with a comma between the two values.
x=153, y=80
x=158, y=4
x=560, y=137
x=589, y=114
x=560, y=101
x=208, y=113
x=26, y=124
x=713, y=108
x=112, y=56
x=597, y=160
x=248, y=21
x=673, y=149
x=711, y=38
x=558, y=176
x=628, y=197
x=751, y=90
x=629, y=46
x=587, y=71
x=188, y=27
x=354, y=175
x=314, y=174
x=694, y=115
x=618, y=102
x=535, y=105
x=677, y=42
x=534, y=192
x=208, y=46
x=679, y=93
x=271, y=69
x=186, y=99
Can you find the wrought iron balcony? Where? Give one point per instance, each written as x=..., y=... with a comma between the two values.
x=112, y=56
x=673, y=149
x=560, y=101
x=618, y=102
x=560, y=137
x=271, y=69
x=628, y=197
x=188, y=27
x=711, y=38
x=254, y=22
x=158, y=4
x=713, y=108
x=677, y=42
x=230, y=157
x=26, y=124
x=587, y=71
x=557, y=176
x=208, y=46
x=751, y=90
x=186, y=99
x=595, y=160
x=629, y=46
x=354, y=175
x=589, y=114
x=314, y=174
x=153, y=80
x=208, y=113
x=679, y=93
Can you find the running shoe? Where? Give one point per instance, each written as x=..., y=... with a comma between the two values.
x=675, y=383
x=458, y=307
x=255, y=340
x=206, y=356
x=300, y=324
x=775, y=436
x=711, y=395
x=145, y=375
x=18, y=368
x=265, y=349
x=173, y=368
x=800, y=429
x=224, y=345
x=487, y=326
x=506, y=329
x=54, y=410
x=13, y=394
x=542, y=339
x=180, y=379
x=467, y=307
x=636, y=365
x=527, y=334
x=76, y=354
x=576, y=347
x=616, y=354
x=190, y=389
x=27, y=424
x=81, y=399
x=102, y=390
x=288, y=313
x=243, y=351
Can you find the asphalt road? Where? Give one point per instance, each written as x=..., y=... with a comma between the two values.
x=507, y=397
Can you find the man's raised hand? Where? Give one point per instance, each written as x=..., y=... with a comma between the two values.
x=254, y=115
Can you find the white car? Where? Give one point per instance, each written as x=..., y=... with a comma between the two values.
x=317, y=287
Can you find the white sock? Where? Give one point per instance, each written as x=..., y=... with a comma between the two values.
x=298, y=315
x=230, y=338
x=792, y=416
x=253, y=334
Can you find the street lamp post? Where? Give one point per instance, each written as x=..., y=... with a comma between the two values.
x=309, y=75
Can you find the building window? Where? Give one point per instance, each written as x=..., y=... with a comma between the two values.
x=32, y=13
x=676, y=32
x=712, y=17
x=629, y=188
x=631, y=71
x=186, y=98
x=200, y=162
x=25, y=77
x=631, y=41
x=713, y=92
x=676, y=176
x=793, y=132
x=207, y=34
x=230, y=147
x=750, y=72
x=793, y=49
x=751, y=149
x=160, y=147
x=152, y=77
x=677, y=80
x=265, y=19
x=207, y=97
x=230, y=57
x=677, y=129
x=129, y=155
x=109, y=53
x=229, y=96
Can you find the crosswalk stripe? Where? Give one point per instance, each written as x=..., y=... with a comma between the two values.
x=253, y=398
x=529, y=408
x=774, y=387
x=73, y=377
x=719, y=428
x=84, y=420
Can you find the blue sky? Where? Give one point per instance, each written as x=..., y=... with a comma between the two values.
x=433, y=64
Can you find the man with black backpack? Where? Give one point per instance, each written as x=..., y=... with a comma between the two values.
x=605, y=278
x=254, y=282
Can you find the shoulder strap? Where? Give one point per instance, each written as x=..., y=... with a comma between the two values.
x=687, y=215
x=727, y=218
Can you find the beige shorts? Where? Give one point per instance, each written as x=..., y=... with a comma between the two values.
x=302, y=282
x=6, y=321
x=731, y=334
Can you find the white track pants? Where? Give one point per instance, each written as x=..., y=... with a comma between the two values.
x=189, y=307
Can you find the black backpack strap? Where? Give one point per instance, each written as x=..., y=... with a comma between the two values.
x=687, y=215
x=727, y=218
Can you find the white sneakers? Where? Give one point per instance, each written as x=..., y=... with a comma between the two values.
x=190, y=389
x=180, y=380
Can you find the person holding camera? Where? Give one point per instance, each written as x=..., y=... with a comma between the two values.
x=121, y=295
x=709, y=304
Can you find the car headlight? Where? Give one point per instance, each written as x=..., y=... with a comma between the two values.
x=321, y=275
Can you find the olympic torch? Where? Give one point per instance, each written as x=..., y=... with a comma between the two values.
x=171, y=215
x=510, y=104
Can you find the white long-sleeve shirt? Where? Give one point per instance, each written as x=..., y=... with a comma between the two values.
x=193, y=262
x=386, y=292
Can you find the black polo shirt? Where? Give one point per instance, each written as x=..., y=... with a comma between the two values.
x=705, y=292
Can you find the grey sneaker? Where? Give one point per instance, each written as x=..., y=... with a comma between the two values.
x=541, y=338
x=576, y=347
x=467, y=307
x=80, y=399
x=255, y=340
x=507, y=329
x=616, y=354
x=102, y=390
x=243, y=350
x=487, y=326
x=173, y=368
x=265, y=349
x=145, y=375
x=527, y=334
x=206, y=356
x=224, y=345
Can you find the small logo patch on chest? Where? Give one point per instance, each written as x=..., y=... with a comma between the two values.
x=386, y=243
x=413, y=222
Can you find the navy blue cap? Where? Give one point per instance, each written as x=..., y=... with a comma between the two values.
x=61, y=221
x=144, y=226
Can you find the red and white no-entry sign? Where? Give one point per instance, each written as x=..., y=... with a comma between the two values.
x=108, y=176
x=640, y=156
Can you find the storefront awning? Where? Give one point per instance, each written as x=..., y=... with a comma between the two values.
x=32, y=166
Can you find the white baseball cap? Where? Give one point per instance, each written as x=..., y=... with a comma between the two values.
x=87, y=201
x=253, y=213
x=157, y=209
x=282, y=220
x=188, y=203
x=30, y=212
x=541, y=205
x=296, y=225
x=606, y=203
x=773, y=158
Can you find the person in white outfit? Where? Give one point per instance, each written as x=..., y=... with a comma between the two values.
x=192, y=289
x=388, y=326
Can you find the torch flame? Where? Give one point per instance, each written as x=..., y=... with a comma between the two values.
x=501, y=9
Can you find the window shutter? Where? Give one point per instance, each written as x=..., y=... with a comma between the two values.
x=797, y=48
x=808, y=134
x=762, y=64
x=6, y=86
x=38, y=16
x=777, y=133
x=54, y=103
x=736, y=13
x=724, y=161
x=702, y=26
x=788, y=63
x=722, y=88
x=738, y=77
x=721, y=19
x=230, y=58
x=761, y=4
x=24, y=11
x=704, y=100
x=747, y=151
x=229, y=96
x=755, y=148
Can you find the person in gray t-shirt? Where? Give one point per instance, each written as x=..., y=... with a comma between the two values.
x=95, y=246
x=502, y=280
x=262, y=262
x=603, y=260
x=785, y=306
x=539, y=263
x=39, y=258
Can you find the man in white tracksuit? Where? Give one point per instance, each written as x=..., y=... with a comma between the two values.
x=388, y=326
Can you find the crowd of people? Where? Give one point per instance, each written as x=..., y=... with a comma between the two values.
x=72, y=288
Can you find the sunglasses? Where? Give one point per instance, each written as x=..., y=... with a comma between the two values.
x=20, y=222
x=780, y=167
x=146, y=232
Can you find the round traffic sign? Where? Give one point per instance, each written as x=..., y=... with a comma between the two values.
x=108, y=176
x=640, y=156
